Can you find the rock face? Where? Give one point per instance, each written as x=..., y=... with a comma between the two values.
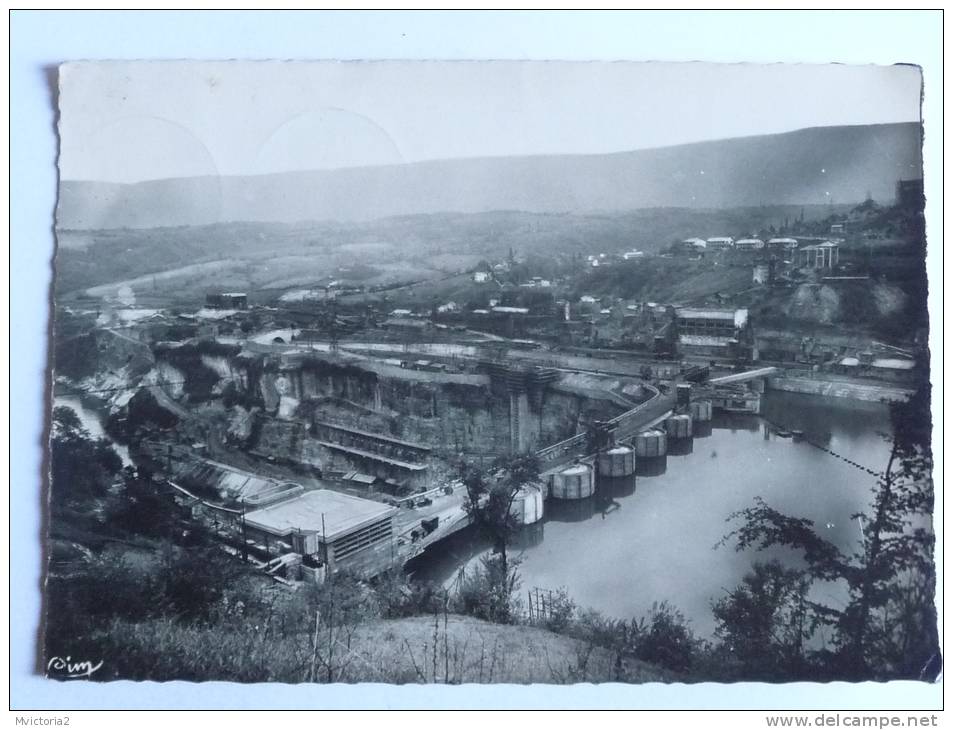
x=169, y=378
x=815, y=303
x=888, y=299
x=101, y=351
x=227, y=371
x=452, y=417
x=239, y=428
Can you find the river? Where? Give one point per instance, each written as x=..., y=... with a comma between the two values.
x=653, y=538
x=92, y=423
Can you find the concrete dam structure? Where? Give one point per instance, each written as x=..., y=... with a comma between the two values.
x=577, y=481
x=618, y=461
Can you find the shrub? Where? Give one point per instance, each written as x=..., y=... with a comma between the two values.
x=489, y=591
x=561, y=611
x=665, y=638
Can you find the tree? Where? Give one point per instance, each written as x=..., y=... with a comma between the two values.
x=665, y=639
x=81, y=467
x=490, y=497
x=489, y=504
x=880, y=633
x=141, y=510
x=764, y=624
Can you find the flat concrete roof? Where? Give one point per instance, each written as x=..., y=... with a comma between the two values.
x=739, y=316
x=342, y=514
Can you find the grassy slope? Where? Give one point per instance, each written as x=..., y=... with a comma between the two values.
x=390, y=651
x=484, y=652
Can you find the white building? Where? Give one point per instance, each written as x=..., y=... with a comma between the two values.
x=785, y=244
x=720, y=243
x=696, y=244
x=749, y=244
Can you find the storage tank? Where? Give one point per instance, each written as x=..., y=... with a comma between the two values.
x=619, y=461
x=679, y=427
x=700, y=411
x=574, y=482
x=650, y=443
x=527, y=506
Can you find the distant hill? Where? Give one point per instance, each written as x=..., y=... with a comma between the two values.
x=809, y=166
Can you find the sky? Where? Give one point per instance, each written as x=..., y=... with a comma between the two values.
x=132, y=121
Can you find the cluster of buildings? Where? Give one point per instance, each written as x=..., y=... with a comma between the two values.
x=780, y=246
x=771, y=255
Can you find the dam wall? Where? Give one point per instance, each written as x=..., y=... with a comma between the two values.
x=840, y=389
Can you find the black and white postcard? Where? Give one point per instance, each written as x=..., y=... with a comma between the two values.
x=490, y=372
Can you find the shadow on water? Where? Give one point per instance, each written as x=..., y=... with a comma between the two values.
x=819, y=418
x=439, y=563
x=702, y=429
x=651, y=466
x=736, y=421
x=681, y=447
x=529, y=535
x=570, y=510
x=610, y=488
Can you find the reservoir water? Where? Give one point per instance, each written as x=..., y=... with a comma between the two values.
x=652, y=538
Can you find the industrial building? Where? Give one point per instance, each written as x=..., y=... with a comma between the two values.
x=392, y=460
x=337, y=530
x=227, y=300
x=712, y=331
x=228, y=483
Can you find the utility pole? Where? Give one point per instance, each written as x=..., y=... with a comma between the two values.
x=244, y=535
x=324, y=543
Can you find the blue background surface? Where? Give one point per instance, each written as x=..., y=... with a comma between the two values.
x=42, y=39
